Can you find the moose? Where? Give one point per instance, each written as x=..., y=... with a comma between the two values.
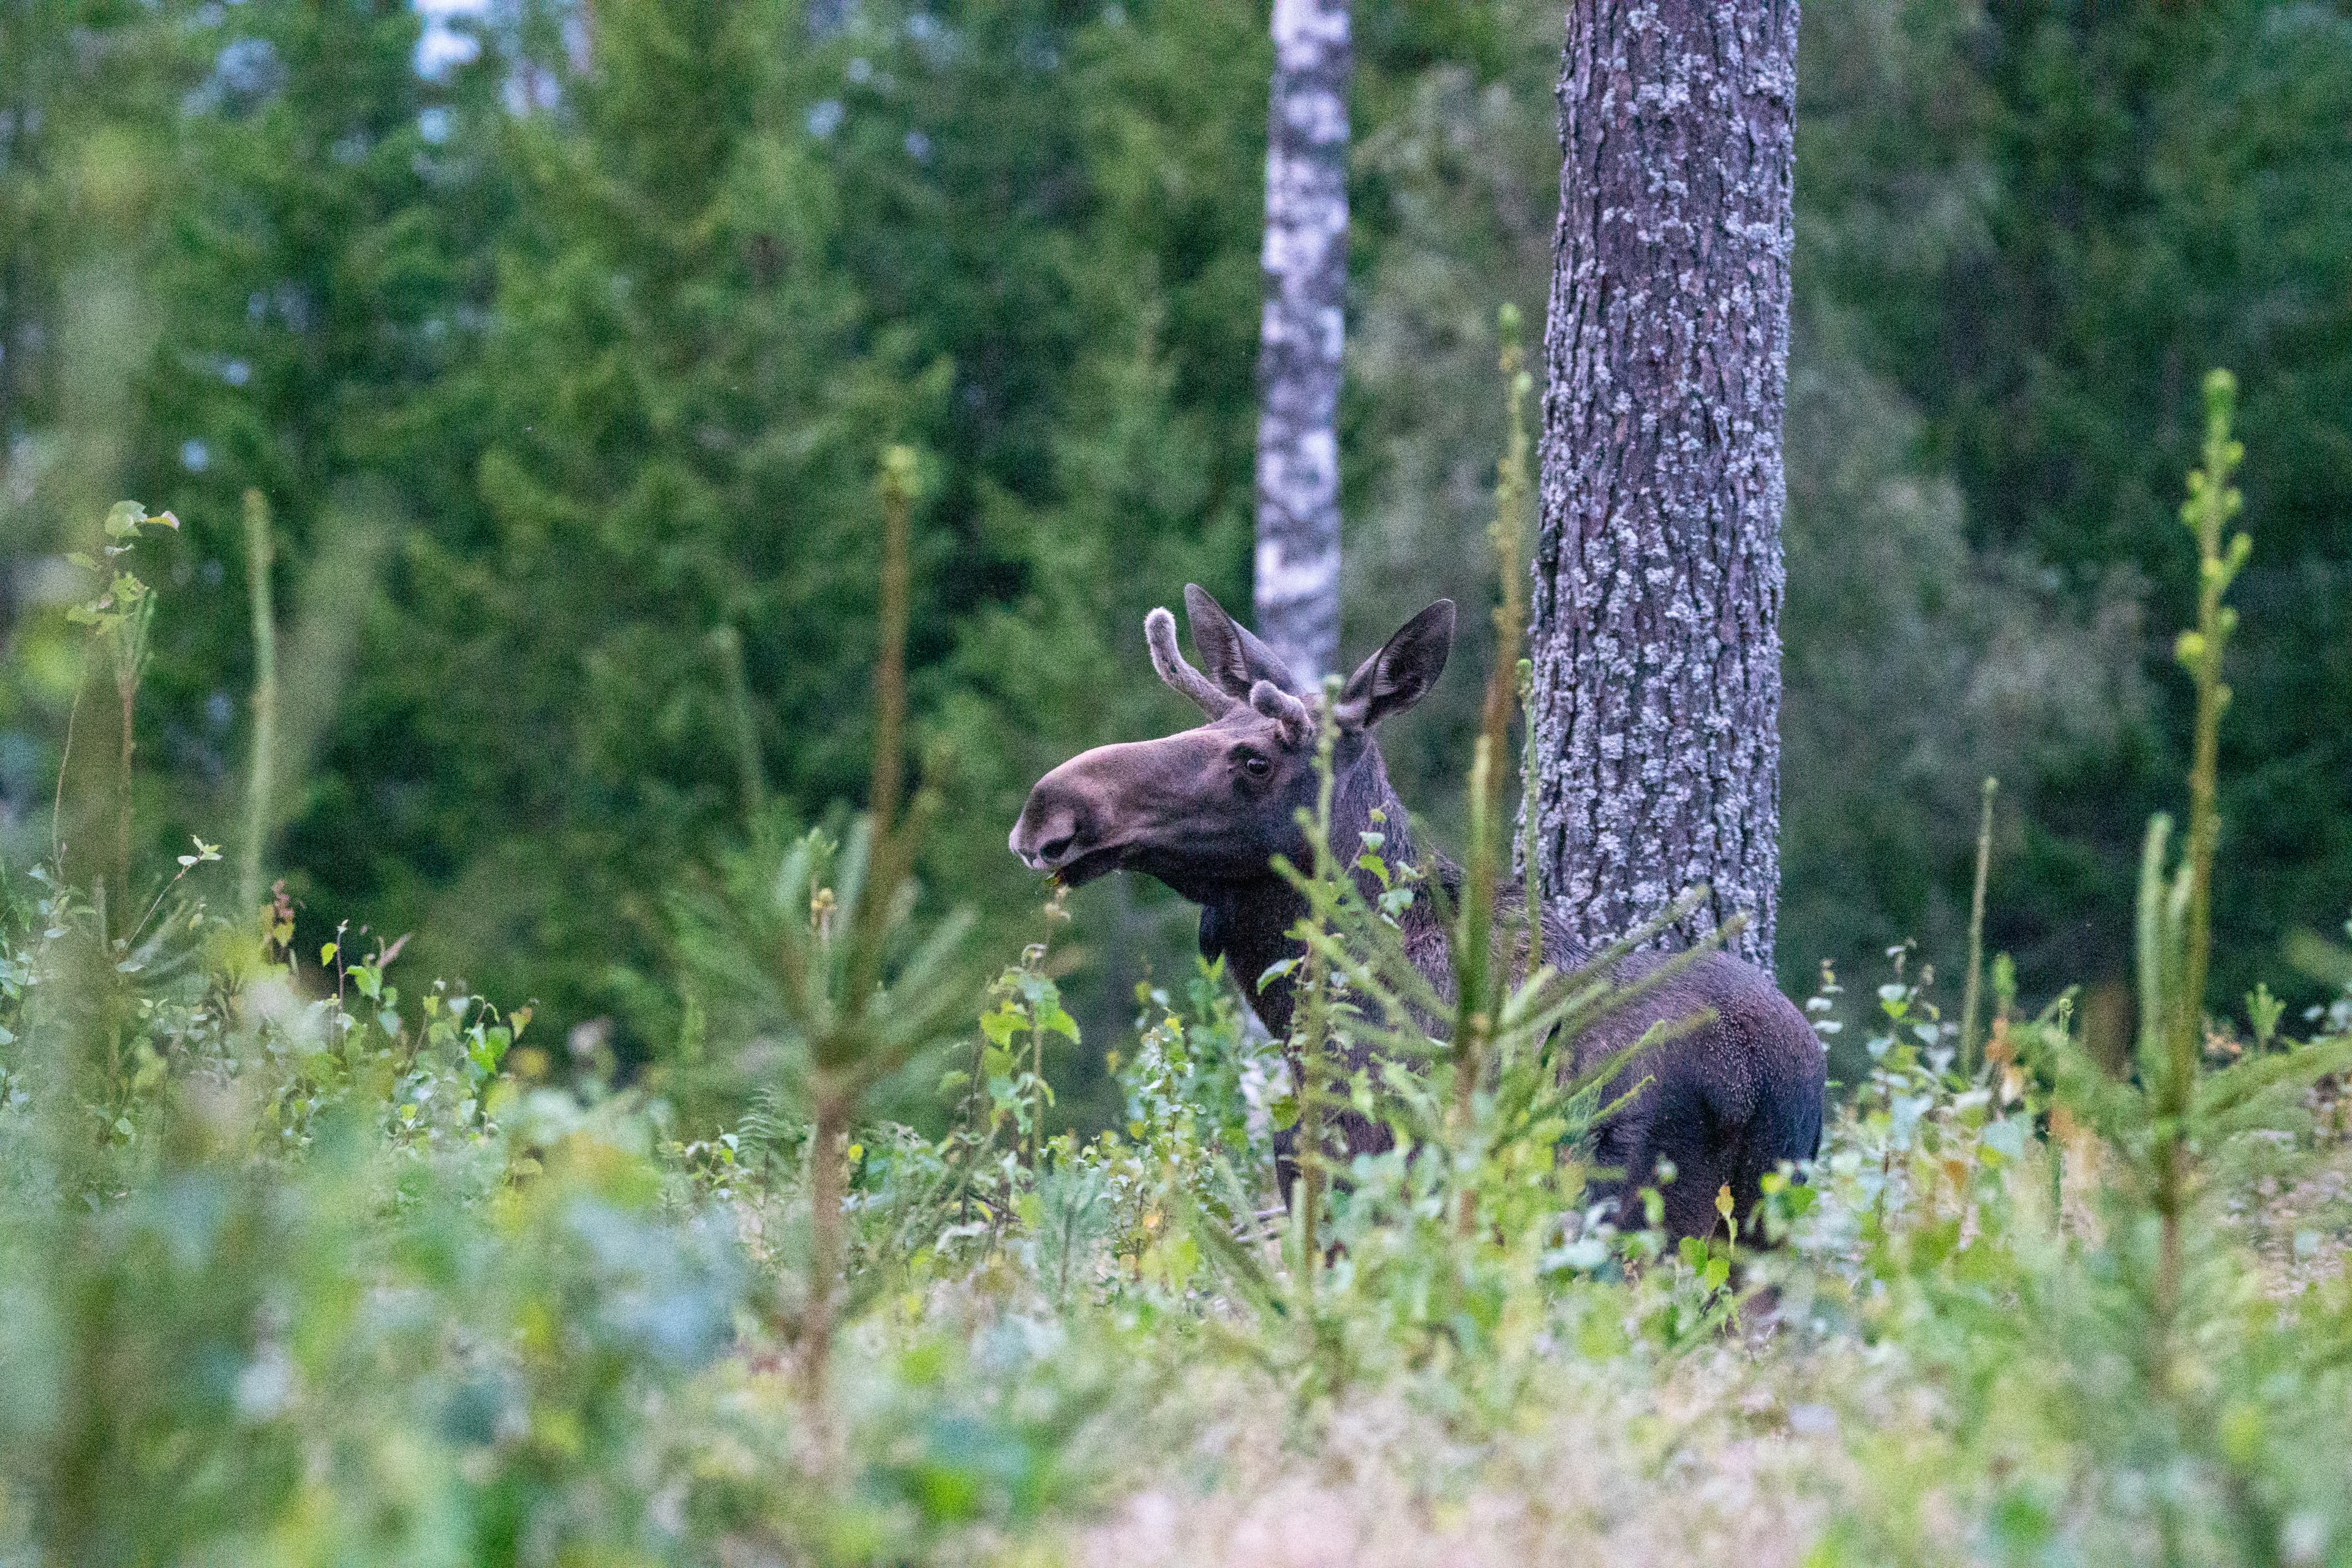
x=1206, y=811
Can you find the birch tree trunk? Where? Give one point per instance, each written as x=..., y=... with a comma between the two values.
x=1658, y=581
x=1297, y=579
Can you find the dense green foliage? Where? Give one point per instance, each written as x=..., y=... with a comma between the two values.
x=2034, y=214
x=304, y=1261
x=564, y=367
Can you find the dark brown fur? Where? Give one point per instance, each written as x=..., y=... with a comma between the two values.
x=1724, y=1103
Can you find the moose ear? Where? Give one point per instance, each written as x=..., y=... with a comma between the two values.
x=1401, y=673
x=1230, y=653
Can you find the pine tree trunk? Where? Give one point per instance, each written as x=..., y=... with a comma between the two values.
x=1306, y=260
x=1657, y=575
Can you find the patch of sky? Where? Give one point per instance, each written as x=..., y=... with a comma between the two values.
x=531, y=88
x=443, y=44
x=1035, y=51
x=246, y=72
x=933, y=39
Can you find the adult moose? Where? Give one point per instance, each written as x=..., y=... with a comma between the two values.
x=1206, y=811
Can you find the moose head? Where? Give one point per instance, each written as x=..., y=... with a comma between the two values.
x=1206, y=810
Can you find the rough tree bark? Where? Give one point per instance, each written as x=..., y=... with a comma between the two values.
x=1657, y=575
x=1305, y=259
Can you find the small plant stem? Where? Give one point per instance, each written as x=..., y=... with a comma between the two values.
x=1312, y=1126
x=752, y=778
x=160, y=897
x=1313, y=1067
x=1476, y=996
x=126, y=687
x=65, y=757
x=260, y=783
x=1530, y=823
x=889, y=852
x=827, y=1154
x=846, y=1056
x=1971, y=993
x=898, y=489
x=1513, y=490
x=1312, y=1132
x=1474, y=999
x=2211, y=503
x=1057, y=911
x=1037, y=1079
x=2169, y=1089
x=2181, y=961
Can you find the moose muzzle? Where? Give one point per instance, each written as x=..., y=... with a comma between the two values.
x=1082, y=817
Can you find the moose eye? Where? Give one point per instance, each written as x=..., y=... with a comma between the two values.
x=1258, y=767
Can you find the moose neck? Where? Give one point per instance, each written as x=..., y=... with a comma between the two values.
x=1247, y=922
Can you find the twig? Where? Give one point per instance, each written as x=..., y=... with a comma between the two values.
x=1969, y=994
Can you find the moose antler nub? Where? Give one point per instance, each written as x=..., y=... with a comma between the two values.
x=1159, y=635
x=1297, y=720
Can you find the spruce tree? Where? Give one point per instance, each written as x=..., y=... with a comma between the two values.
x=679, y=428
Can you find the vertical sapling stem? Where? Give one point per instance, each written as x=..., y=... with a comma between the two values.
x=2177, y=922
x=751, y=776
x=848, y=1057
x=260, y=782
x=1971, y=993
x=1312, y=1066
x=1478, y=996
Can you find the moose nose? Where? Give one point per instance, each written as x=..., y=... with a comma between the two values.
x=1044, y=837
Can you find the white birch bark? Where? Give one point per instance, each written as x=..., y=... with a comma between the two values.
x=1296, y=577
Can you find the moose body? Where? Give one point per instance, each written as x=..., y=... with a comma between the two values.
x=1206, y=811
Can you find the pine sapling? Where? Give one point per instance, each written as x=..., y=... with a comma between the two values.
x=1479, y=986
x=825, y=948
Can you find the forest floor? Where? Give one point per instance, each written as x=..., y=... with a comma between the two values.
x=1742, y=1456
x=2301, y=1227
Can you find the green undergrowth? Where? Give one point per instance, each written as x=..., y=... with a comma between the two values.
x=304, y=1259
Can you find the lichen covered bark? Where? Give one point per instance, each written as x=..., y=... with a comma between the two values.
x=1297, y=579
x=1657, y=574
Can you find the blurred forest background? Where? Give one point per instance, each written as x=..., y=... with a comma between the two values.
x=562, y=342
